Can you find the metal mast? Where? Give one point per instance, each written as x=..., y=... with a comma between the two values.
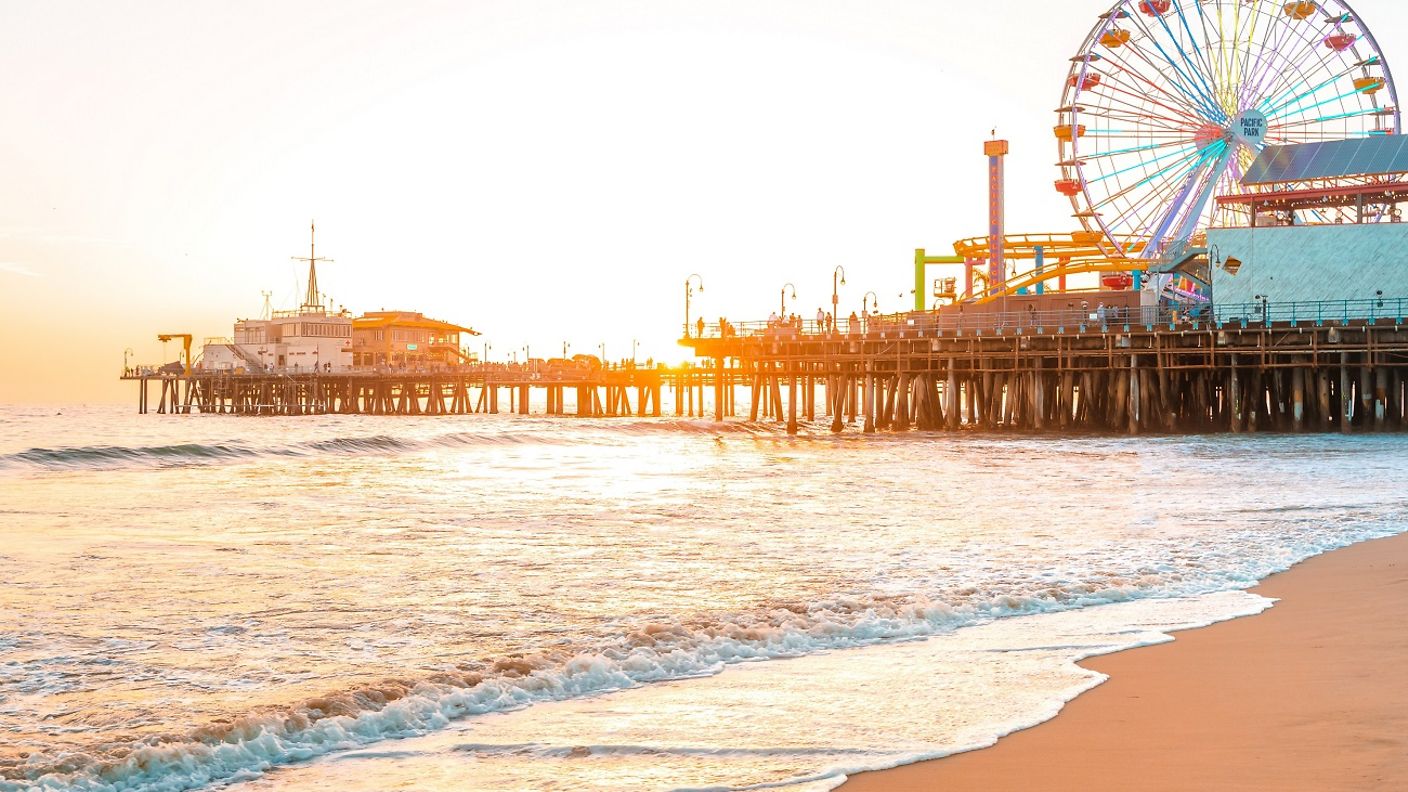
x=311, y=301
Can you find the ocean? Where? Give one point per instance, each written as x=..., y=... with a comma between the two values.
x=523, y=603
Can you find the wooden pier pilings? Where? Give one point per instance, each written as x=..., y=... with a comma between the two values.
x=1170, y=378
x=621, y=392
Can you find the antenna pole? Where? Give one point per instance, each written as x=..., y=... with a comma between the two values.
x=312, y=300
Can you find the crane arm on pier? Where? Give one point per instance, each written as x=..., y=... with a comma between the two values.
x=185, y=347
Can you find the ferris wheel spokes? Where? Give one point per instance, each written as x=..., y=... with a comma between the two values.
x=1193, y=106
x=1190, y=207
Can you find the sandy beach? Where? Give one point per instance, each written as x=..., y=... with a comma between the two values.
x=1307, y=696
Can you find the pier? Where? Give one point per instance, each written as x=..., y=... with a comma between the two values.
x=464, y=390
x=1288, y=368
x=1034, y=371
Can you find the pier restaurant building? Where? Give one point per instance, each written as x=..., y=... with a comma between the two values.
x=306, y=340
x=406, y=339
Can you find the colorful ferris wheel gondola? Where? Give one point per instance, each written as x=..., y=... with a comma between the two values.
x=1168, y=101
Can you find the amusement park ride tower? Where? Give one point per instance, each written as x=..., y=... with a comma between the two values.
x=996, y=151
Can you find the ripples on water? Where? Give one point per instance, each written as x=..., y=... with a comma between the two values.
x=202, y=598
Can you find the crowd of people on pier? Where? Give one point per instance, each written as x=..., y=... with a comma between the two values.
x=825, y=324
x=1082, y=313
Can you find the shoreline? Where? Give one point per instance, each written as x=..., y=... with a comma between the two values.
x=1304, y=696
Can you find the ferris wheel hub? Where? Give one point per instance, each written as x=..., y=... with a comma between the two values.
x=1250, y=127
x=1209, y=134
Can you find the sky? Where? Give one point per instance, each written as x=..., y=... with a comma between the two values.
x=545, y=171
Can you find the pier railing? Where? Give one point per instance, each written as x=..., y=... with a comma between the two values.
x=537, y=371
x=1095, y=320
x=1319, y=313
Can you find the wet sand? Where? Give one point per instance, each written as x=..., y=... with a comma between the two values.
x=1310, y=695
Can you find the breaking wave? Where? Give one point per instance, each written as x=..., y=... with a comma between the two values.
x=79, y=458
x=649, y=652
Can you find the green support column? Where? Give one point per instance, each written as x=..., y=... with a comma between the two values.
x=921, y=262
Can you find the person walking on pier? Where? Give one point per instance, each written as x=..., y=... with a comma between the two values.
x=1100, y=314
x=700, y=325
x=820, y=320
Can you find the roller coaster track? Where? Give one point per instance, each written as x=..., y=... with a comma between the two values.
x=1063, y=255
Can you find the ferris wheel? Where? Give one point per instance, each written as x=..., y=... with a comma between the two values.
x=1169, y=101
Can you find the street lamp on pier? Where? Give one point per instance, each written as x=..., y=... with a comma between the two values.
x=126, y=356
x=689, y=292
x=634, y=346
x=835, y=295
x=868, y=301
x=785, y=287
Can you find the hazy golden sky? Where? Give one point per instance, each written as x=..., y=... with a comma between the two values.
x=544, y=170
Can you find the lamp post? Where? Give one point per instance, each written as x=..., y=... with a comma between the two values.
x=565, y=346
x=1265, y=302
x=485, y=360
x=835, y=296
x=126, y=355
x=870, y=298
x=689, y=292
x=785, y=287
x=602, y=348
x=634, y=346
